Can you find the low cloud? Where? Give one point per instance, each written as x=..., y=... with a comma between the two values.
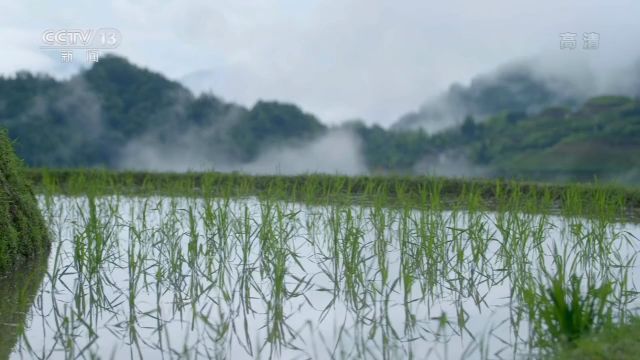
x=336, y=152
x=525, y=85
x=450, y=164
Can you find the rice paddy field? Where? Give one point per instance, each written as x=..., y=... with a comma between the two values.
x=228, y=266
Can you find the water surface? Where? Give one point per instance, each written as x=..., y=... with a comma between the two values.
x=163, y=278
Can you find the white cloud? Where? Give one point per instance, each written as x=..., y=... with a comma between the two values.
x=353, y=58
x=337, y=152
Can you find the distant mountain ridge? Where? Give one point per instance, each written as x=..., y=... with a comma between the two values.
x=512, y=123
x=600, y=139
x=517, y=87
x=89, y=119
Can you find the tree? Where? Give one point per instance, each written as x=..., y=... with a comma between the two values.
x=469, y=128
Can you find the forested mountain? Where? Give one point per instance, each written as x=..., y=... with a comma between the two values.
x=113, y=110
x=517, y=87
x=89, y=119
x=599, y=139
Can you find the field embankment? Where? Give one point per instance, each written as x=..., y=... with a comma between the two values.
x=413, y=191
x=23, y=233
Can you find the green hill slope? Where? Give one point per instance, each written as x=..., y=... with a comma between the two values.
x=23, y=233
x=113, y=109
x=600, y=139
x=88, y=119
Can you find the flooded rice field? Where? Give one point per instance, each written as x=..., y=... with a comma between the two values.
x=225, y=278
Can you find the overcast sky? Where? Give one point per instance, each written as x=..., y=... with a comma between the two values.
x=340, y=59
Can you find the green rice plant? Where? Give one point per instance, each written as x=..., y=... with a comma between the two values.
x=408, y=266
x=266, y=237
x=334, y=247
x=223, y=250
x=135, y=261
x=563, y=309
x=370, y=257
x=352, y=261
x=93, y=250
x=379, y=222
x=278, y=332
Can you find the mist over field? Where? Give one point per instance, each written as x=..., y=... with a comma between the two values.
x=336, y=152
x=502, y=123
x=525, y=85
x=265, y=87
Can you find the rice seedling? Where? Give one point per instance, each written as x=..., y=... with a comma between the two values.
x=231, y=266
x=563, y=309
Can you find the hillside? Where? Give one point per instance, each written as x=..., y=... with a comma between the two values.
x=601, y=139
x=23, y=233
x=519, y=87
x=116, y=115
x=90, y=119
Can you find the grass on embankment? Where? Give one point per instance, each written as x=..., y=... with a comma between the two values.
x=23, y=233
x=621, y=343
x=417, y=191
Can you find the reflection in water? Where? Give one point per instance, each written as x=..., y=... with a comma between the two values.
x=17, y=292
x=163, y=278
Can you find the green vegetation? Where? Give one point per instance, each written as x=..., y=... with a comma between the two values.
x=562, y=314
x=18, y=290
x=391, y=151
x=23, y=236
x=23, y=233
x=229, y=265
x=325, y=189
x=89, y=119
x=601, y=139
x=517, y=88
x=620, y=342
x=226, y=265
x=97, y=118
